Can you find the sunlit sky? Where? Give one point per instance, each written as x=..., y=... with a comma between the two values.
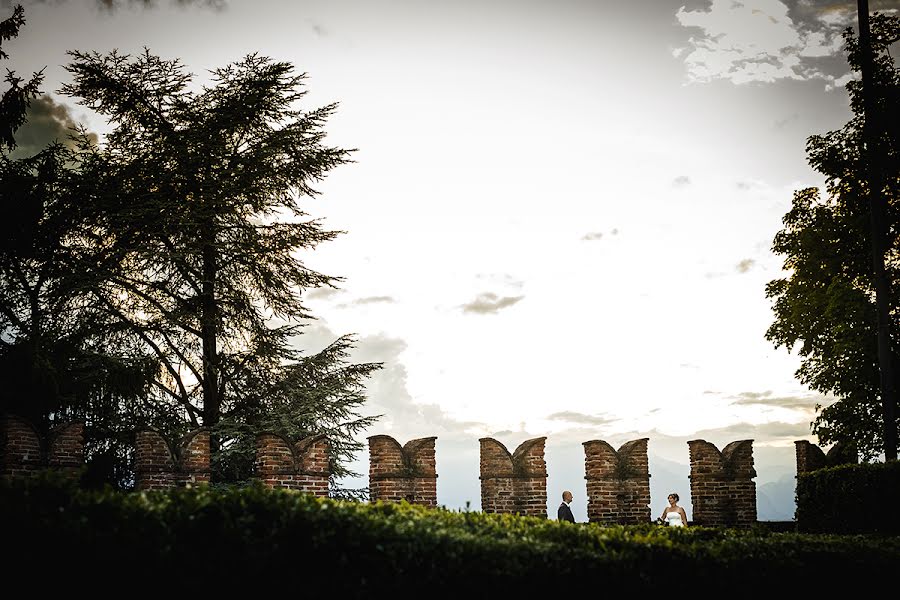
x=560, y=214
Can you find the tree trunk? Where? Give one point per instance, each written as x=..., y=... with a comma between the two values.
x=209, y=332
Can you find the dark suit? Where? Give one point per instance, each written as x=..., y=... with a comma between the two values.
x=565, y=513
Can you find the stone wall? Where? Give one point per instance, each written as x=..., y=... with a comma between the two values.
x=303, y=465
x=157, y=465
x=24, y=452
x=402, y=473
x=722, y=488
x=618, y=483
x=514, y=483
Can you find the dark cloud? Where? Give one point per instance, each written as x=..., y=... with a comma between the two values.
x=48, y=122
x=748, y=42
x=114, y=5
x=490, y=303
x=681, y=181
x=580, y=418
x=594, y=235
x=745, y=265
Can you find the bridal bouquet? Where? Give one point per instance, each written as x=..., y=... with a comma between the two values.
x=661, y=521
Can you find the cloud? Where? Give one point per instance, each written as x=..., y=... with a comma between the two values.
x=114, y=5
x=490, y=303
x=782, y=123
x=580, y=418
x=47, y=122
x=804, y=403
x=368, y=300
x=594, y=235
x=767, y=40
x=323, y=293
x=745, y=265
x=375, y=300
x=681, y=181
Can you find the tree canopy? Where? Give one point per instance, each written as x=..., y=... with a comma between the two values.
x=156, y=278
x=825, y=306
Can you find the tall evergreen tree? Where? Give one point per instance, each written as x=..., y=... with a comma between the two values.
x=201, y=192
x=825, y=306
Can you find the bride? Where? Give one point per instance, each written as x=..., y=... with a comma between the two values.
x=673, y=515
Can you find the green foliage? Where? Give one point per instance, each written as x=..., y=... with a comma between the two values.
x=825, y=306
x=203, y=538
x=849, y=499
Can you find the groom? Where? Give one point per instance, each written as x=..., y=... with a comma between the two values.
x=565, y=513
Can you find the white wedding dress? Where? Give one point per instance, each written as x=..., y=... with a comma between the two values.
x=674, y=519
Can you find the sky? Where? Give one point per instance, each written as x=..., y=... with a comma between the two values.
x=559, y=215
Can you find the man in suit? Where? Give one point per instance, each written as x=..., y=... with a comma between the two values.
x=565, y=513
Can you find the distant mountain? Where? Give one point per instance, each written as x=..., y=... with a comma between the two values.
x=775, y=500
x=667, y=476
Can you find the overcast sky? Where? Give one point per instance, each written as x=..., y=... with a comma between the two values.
x=560, y=213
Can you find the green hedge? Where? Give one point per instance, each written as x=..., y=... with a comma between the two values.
x=850, y=499
x=203, y=539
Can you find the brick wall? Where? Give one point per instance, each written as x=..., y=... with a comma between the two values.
x=514, y=483
x=24, y=452
x=618, y=483
x=303, y=465
x=402, y=473
x=722, y=488
x=811, y=458
x=158, y=466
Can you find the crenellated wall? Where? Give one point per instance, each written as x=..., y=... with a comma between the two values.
x=514, y=483
x=24, y=452
x=722, y=488
x=618, y=483
x=811, y=458
x=402, y=472
x=303, y=465
x=157, y=465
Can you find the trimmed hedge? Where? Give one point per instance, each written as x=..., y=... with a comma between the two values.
x=204, y=539
x=850, y=499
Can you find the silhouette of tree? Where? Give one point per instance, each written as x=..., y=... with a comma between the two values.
x=205, y=239
x=825, y=307
x=15, y=100
x=60, y=358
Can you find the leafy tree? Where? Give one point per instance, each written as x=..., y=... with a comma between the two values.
x=56, y=350
x=200, y=188
x=825, y=306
